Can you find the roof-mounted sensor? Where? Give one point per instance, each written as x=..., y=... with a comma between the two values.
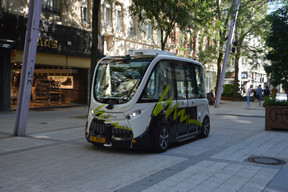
x=149, y=52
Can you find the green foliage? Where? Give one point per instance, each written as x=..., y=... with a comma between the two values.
x=271, y=101
x=228, y=90
x=277, y=40
x=164, y=15
x=249, y=24
x=229, y=74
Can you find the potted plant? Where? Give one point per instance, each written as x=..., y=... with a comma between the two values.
x=276, y=113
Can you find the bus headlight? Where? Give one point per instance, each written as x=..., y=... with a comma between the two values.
x=92, y=113
x=133, y=114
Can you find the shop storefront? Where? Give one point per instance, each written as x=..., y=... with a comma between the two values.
x=61, y=75
x=52, y=86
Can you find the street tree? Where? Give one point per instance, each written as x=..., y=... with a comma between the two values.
x=206, y=35
x=277, y=40
x=223, y=11
x=250, y=24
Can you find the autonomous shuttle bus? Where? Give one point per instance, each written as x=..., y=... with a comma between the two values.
x=147, y=99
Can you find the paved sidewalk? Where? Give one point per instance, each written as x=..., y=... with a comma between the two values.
x=44, y=120
x=218, y=163
x=222, y=168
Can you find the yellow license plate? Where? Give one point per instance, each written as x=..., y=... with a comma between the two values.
x=97, y=139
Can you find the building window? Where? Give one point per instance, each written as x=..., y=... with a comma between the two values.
x=51, y=6
x=118, y=17
x=84, y=14
x=107, y=15
x=150, y=31
x=132, y=28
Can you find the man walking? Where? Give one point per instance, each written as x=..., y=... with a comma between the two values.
x=259, y=94
x=266, y=92
x=248, y=93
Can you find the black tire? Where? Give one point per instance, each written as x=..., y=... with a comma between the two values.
x=205, y=129
x=161, y=139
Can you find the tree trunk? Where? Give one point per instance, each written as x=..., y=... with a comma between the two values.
x=236, y=77
x=236, y=69
x=162, y=40
x=219, y=62
x=95, y=32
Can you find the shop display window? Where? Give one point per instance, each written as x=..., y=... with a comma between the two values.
x=52, y=86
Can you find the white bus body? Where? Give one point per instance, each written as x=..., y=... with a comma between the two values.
x=147, y=101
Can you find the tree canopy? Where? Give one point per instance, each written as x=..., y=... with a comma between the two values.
x=277, y=41
x=250, y=24
x=165, y=14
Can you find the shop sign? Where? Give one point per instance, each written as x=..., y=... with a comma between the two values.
x=244, y=75
x=7, y=43
x=53, y=44
x=66, y=81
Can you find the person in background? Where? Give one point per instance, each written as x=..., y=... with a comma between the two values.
x=259, y=94
x=255, y=93
x=210, y=97
x=266, y=92
x=274, y=92
x=248, y=94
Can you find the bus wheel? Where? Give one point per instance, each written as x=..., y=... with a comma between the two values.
x=162, y=138
x=205, y=130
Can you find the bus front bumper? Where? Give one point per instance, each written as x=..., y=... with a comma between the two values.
x=141, y=142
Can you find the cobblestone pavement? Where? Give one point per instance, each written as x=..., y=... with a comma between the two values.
x=54, y=156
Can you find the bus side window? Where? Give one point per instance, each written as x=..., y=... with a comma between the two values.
x=200, y=81
x=191, y=81
x=149, y=91
x=180, y=80
x=159, y=80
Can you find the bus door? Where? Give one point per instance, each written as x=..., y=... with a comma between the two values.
x=181, y=98
x=192, y=98
x=200, y=91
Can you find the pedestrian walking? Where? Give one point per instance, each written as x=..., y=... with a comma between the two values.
x=266, y=92
x=255, y=94
x=259, y=94
x=248, y=94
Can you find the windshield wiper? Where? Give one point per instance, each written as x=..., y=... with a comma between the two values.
x=131, y=91
x=111, y=104
x=124, y=97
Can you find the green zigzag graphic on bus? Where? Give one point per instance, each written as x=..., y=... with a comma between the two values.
x=101, y=112
x=182, y=113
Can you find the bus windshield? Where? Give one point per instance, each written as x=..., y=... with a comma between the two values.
x=117, y=78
